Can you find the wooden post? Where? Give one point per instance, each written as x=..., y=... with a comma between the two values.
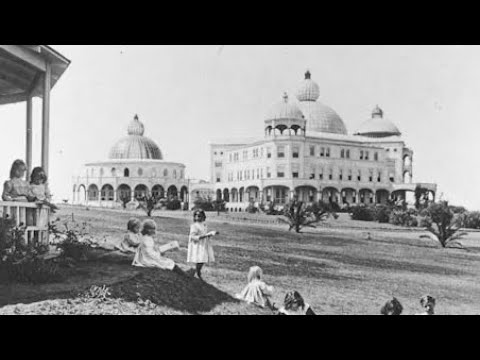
x=47, y=85
x=28, y=156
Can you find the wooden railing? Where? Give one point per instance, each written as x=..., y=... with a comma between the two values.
x=34, y=217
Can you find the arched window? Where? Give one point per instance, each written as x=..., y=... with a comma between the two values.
x=140, y=172
x=165, y=173
x=126, y=173
x=114, y=172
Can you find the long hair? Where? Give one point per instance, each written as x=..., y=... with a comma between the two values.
x=16, y=165
x=392, y=307
x=200, y=213
x=38, y=174
x=255, y=273
x=294, y=298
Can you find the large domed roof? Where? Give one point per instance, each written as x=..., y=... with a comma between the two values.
x=135, y=146
x=320, y=117
x=378, y=126
x=285, y=110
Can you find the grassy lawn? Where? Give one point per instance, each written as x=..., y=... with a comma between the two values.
x=337, y=268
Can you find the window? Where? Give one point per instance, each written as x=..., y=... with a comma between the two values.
x=295, y=152
x=114, y=172
x=165, y=173
x=376, y=156
x=320, y=174
x=342, y=154
x=330, y=175
x=102, y=172
x=215, y=153
x=295, y=171
x=219, y=178
x=312, y=174
x=126, y=173
x=269, y=173
x=281, y=152
x=328, y=152
x=261, y=173
x=350, y=176
x=182, y=175
x=370, y=178
x=361, y=154
x=359, y=177
x=348, y=154
x=322, y=152
x=218, y=164
x=280, y=172
x=269, y=153
x=140, y=172
x=367, y=155
x=230, y=158
x=174, y=174
x=312, y=150
x=340, y=176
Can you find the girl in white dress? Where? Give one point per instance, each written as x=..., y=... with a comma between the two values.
x=257, y=292
x=148, y=254
x=132, y=238
x=200, y=250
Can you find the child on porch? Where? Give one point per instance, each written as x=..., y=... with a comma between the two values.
x=17, y=189
x=149, y=255
x=39, y=190
x=132, y=238
x=257, y=292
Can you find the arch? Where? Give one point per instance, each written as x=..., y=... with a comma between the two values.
x=281, y=128
x=107, y=193
x=226, y=195
x=366, y=196
x=93, y=193
x=234, y=195
x=295, y=128
x=219, y=195
x=382, y=196
x=124, y=192
x=126, y=173
x=113, y=172
x=81, y=194
x=349, y=196
x=140, y=191
x=330, y=195
x=268, y=130
x=278, y=195
x=158, y=192
x=172, y=192
x=407, y=177
x=184, y=194
x=241, y=193
x=253, y=193
x=306, y=193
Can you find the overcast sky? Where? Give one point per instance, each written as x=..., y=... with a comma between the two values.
x=188, y=95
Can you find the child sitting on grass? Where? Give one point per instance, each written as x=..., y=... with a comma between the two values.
x=392, y=307
x=39, y=191
x=295, y=305
x=257, y=292
x=131, y=240
x=428, y=304
x=149, y=253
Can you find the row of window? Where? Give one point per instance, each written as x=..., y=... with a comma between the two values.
x=295, y=173
x=325, y=152
x=140, y=172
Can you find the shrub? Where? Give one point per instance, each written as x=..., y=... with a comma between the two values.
x=363, y=213
x=31, y=271
x=404, y=218
x=252, y=209
x=74, y=239
x=458, y=209
x=445, y=228
x=383, y=214
x=298, y=215
x=205, y=204
x=472, y=220
x=174, y=205
x=425, y=222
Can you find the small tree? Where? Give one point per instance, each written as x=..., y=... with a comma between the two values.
x=124, y=199
x=298, y=216
x=444, y=228
x=148, y=204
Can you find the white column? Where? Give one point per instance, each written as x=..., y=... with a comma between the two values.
x=28, y=156
x=47, y=85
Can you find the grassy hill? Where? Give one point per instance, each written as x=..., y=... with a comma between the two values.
x=337, y=268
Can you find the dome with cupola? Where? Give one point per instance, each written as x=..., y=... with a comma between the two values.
x=136, y=146
x=284, y=110
x=320, y=117
x=378, y=126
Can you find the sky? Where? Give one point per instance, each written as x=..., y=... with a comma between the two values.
x=189, y=95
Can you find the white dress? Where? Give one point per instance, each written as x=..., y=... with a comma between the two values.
x=256, y=292
x=149, y=256
x=130, y=243
x=199, y=251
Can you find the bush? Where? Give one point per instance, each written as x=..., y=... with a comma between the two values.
x=74, y=239
x=383, y=214
x=404, y=218
x=252, y=209
x=458, y=209
x=425, y=222
x=174, y=205
x=205, y=204
x=32, y=271
x=472, y=220
x=363, y=213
